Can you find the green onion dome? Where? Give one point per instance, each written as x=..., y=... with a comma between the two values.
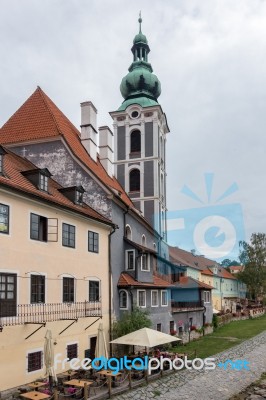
x=140, y=85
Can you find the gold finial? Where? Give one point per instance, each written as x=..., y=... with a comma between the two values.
x=140, y=21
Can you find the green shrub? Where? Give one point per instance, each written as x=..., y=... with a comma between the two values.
x=215, y=321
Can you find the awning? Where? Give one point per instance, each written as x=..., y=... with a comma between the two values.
x=145, y=337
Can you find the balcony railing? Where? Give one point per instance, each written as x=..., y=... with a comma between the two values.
x=47, y=312
x=180, y=306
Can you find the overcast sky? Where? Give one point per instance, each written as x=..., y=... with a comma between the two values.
x=210, y=56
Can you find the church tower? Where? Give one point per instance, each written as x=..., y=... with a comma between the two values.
x=140, y=129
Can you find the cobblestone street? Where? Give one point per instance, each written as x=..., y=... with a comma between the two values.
x=218, y=384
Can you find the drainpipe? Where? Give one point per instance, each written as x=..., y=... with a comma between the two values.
x=110, y=285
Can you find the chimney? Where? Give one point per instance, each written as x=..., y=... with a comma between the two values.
x=106, y=149
x=89, y=128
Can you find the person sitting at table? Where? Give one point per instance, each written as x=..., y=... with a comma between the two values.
x=157, y=353
x=71, y=390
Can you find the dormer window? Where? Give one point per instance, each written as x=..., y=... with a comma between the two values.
x=39, y=178
x=79, y=197
x=74, y=194
x=2, y=156
x=44, y=182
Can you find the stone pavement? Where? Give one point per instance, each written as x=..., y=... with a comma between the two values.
x=217, y=384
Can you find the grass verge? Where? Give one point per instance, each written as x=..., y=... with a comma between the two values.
x=224, y=338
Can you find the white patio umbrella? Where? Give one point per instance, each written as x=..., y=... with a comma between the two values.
x=49, y=357
x=101, y=347
x=145, y=337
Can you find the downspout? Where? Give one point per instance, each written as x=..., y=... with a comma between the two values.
x=110, y=285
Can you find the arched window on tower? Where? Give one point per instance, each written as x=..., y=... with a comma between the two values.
x=134, y=180
x=135, y=142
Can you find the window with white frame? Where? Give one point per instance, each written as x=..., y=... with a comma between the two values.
x=207, y=296
x=164, y=298
x=93, y=242
x=141, y=298
x=123, y=299
x=130, y=260
x=43, y=182
x=154, y=298
x=145, y=262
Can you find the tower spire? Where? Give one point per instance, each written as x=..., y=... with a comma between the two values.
x=140, y=85
x=140, y=21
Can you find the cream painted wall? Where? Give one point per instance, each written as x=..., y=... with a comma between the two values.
x=21, y=255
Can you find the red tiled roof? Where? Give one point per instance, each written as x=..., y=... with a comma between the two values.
x=39, y=118
x=188, y=282
x=184, y=257
x=127, y=280
x=207, y=272
x=225, y=274
x=14, y=165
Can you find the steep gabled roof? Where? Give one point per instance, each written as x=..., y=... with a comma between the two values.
x=14, y=179
x=39, y=118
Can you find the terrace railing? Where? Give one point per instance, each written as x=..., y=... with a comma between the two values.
x=178, y=306
x=47, y=312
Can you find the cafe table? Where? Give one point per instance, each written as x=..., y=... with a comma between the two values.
x=35, y=395
x=69, y=374
x=78, y=382
x=36, y=385
x=109, y=373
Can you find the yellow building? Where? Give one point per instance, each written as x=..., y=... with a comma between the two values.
x=53, y=272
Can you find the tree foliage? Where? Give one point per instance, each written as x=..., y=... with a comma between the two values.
x=130, y=322
x=229, y=263
x=253, y=256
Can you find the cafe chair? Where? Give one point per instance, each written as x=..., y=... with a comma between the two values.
x=16, y=395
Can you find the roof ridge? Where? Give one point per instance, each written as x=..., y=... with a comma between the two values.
x=48, y=108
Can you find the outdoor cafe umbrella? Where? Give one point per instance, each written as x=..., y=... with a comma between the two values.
x=145, y=337
x=49, y=357
x=101, y=347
